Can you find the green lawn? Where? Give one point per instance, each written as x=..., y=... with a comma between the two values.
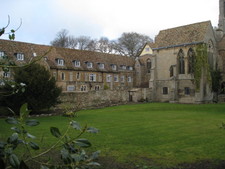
x=166, y=134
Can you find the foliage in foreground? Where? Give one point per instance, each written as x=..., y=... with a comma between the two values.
x=73, y=155
x=41, y=89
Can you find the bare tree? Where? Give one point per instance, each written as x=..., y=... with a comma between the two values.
x=131, y=43
x=83, y=42
x=61, y=39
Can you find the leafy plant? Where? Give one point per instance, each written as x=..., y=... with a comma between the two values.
x=71, y=149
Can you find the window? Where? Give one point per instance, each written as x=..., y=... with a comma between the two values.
x=77, y=63
x=113, y=66
x=116, y=78
x=19, y=56
x=122, y=78
x=34, y=54
x=191, y=60
x=165, y=90
x=97, y=88
x=171, y=71
x=101, y=65
x=70, y=88
x=63, y=76
x=147, y=49
x=83, y=88
x=123, y=67
x=149, y=66
x=78, y=76
x=187, y=91
x=6, y=74
x=92, y=77
x=181, y=62
x=89, y=64
x=108, y=78
x=60, y=62
x=2, y=54
x=129, y=68
x=55, y=75
x=129, y=79
x=71, y=76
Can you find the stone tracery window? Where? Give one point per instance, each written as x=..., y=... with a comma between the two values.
x=181, y=62
x=149, y=65
x=191, y=60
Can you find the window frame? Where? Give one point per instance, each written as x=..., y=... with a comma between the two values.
x=165, y=91
x=76, y=63
x=60, y=62
x=92, y=77
x=20, y=56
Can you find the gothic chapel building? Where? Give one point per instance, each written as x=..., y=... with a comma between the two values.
x=163, y=72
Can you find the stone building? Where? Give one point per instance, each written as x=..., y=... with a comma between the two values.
x=163, y=71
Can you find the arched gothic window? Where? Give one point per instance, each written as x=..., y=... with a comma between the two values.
x=181, y=62
x=149, y=65
x=191, y=60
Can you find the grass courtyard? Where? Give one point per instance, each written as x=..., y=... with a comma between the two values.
x=159, y=134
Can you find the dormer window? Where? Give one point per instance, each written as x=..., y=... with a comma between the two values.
x=101, y=65
x=2, y=54
x=123, y=67
x=89, y=64
x=60, y=62
x=19, y=56
x=113, y=66
x=76, y=63
x=129, y=68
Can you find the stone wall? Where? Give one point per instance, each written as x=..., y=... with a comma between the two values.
x=100, y=98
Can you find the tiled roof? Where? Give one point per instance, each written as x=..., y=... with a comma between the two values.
x=182, y=35
x=68, y=55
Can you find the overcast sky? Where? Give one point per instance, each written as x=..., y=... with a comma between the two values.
x=42, y=19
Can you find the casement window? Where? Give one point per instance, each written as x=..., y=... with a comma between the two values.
x=19, y=56
x=101, y=65
x=71, y=88
x=97, y=87
x=113, y=66
x=122, y=78
x=165, y=90
x=78, y=76
x=2, y=54
x=89, y=64
x=60, y=62
x=129, y=68
x=71, y=76
x=191, y=61
x=6, y=74
x=116, y=78
x=129, y=79
x=181, y=62
x=147, y=49
x=83, y=88
x=92, y=77
x=108, y=78
x=63, y=76
x=123, y=67
x=187, y=91
x=76, y=63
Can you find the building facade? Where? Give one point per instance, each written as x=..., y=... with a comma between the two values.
x=163, y=72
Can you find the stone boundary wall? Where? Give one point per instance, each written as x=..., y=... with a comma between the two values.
x=96, y=99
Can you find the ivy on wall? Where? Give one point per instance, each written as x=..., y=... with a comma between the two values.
x=201, y=65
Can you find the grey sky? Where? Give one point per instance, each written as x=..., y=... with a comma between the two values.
x=42, y=19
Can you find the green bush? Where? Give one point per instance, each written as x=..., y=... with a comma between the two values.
x=41, y=91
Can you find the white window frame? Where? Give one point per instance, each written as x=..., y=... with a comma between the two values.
x=71, y=88
x=71, y=76
x=63, y=76
x=2, y=54
x=83, y=88
x=108, y=78
x=122, y=78
x=101, y=66
x=130, y=68
x=129, y=79
x=60, y=62
x=78, y=75
x=97, y=88
x=116, y=78
x=6, y=74
x=89, y=64
x=92, y=77
x=20, y=56
x=77, y=63
x=114, y=67
x=123, y=67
